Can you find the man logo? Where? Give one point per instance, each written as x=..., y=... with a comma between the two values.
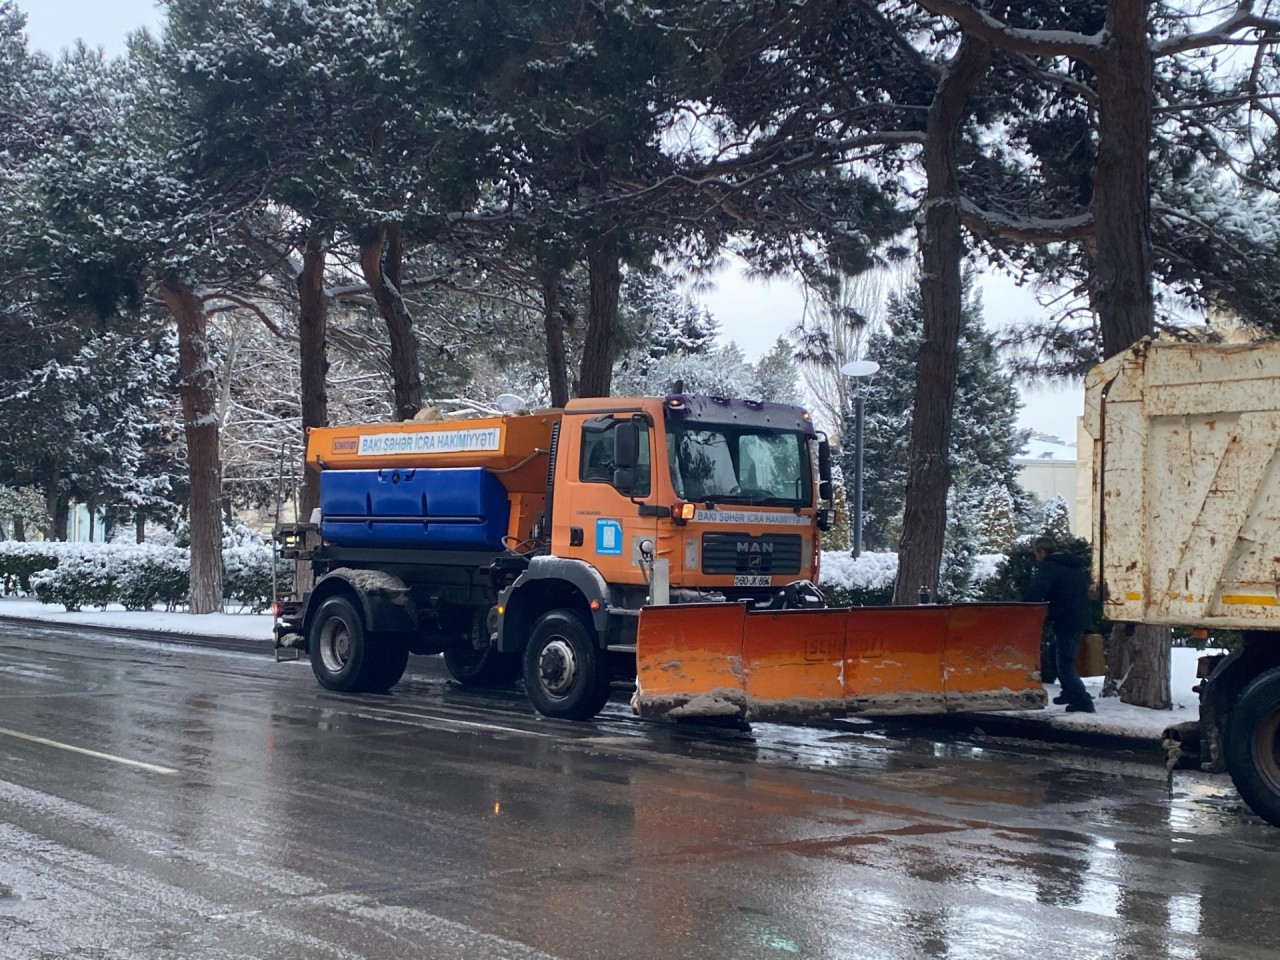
x=754, y=546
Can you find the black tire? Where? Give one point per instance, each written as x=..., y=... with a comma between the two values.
x=565, y=674
x=482, y=668
x=392, y=652
x=345, y=657
x=1253, y=746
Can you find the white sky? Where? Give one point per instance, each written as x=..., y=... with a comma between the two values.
x=53, y=25
x=752, y=313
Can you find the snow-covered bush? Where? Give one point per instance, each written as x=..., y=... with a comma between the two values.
x=83, y=577
x=246, y=577
x=20, y=559
x=864, y=582
x=137, y=576
x=154, y=575
x=868, y=581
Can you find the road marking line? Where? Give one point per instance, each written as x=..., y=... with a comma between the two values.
x=88, y=753
x=461, y=723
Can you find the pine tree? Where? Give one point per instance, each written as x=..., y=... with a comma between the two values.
x=1056, y=520
x=776, y=376
x=985, y=437
x=997, y=520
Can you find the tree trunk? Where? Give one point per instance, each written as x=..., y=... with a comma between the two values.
x=19, y=529
x=200, y=422
x=1120, y=285
x=61, y=518
x=924, y=518
x=93, y=524
x=1121, y=206
x=553, y=321
x=596, y=373
x=313, y=317
x=140, y=528
x=380, y=262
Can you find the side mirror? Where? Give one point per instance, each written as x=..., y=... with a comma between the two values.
x=626, y=445
x=825, y=490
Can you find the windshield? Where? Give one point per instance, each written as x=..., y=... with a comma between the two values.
x=738, y=465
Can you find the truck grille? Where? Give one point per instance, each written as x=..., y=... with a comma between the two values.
x=738, y=553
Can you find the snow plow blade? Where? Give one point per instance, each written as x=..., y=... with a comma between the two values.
x=789, y=666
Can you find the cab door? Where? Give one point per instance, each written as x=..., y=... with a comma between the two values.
x=596, y=515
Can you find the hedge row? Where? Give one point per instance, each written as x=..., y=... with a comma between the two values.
x=136, y=576
x=140, y=577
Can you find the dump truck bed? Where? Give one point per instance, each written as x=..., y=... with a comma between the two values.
x=1186, y=484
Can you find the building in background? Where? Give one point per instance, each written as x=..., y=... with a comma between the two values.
x=1047, y=468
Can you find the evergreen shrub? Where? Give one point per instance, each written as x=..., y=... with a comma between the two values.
x=82, y=578
x=20, y=559
x=155, y=575
x=136, y=576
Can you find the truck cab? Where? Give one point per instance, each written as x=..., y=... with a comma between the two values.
x=720, y=491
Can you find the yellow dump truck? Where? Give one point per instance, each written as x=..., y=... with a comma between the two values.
x=674, y=540
x=1186, y=528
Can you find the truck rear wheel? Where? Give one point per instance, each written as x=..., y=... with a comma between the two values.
x=565, y=673
x=482, y=668
x=346, y=658
x=1253, y=746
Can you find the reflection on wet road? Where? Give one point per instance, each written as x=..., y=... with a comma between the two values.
x=161, y=802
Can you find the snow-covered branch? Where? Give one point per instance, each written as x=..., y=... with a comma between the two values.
x=1033, y=43
x=1225, y=33
x=996, y=225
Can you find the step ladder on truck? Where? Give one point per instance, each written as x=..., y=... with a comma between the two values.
x=674, y=540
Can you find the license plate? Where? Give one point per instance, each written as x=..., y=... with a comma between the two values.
x=750, y=580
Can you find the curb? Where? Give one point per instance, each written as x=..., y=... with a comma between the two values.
x=1028, y=728
x=216, y=641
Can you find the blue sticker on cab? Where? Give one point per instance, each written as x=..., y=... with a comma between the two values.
x=608, y=537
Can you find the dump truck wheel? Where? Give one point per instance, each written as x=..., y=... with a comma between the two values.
x=482, y=668
x=341, y=655
x=564, y=672
x=1253, y=746
x=391, y=654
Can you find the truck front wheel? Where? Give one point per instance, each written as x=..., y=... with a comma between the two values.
x=346, y=658
x=565, y=674
x=1253, y=746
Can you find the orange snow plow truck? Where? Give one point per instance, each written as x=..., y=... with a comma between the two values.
x=672, y=539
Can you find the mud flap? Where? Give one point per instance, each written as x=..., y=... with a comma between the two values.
x=788, y=666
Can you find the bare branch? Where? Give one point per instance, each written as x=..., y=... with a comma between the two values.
x=239, y=302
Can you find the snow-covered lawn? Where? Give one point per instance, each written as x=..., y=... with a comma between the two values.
x=1118, y=718
x=1113, y=717
x=247, y=626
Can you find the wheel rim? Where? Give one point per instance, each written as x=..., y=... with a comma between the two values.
x=335, y=645
x=557, y=667
x=1266, y=749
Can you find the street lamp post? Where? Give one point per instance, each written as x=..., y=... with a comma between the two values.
x=855, y=370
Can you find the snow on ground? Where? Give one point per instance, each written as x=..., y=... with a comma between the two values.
x=248, y=626
x=1113, y=717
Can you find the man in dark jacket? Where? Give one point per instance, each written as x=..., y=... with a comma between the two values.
x=1063, y=581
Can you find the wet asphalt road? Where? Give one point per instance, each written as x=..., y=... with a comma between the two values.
x=169, y=802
